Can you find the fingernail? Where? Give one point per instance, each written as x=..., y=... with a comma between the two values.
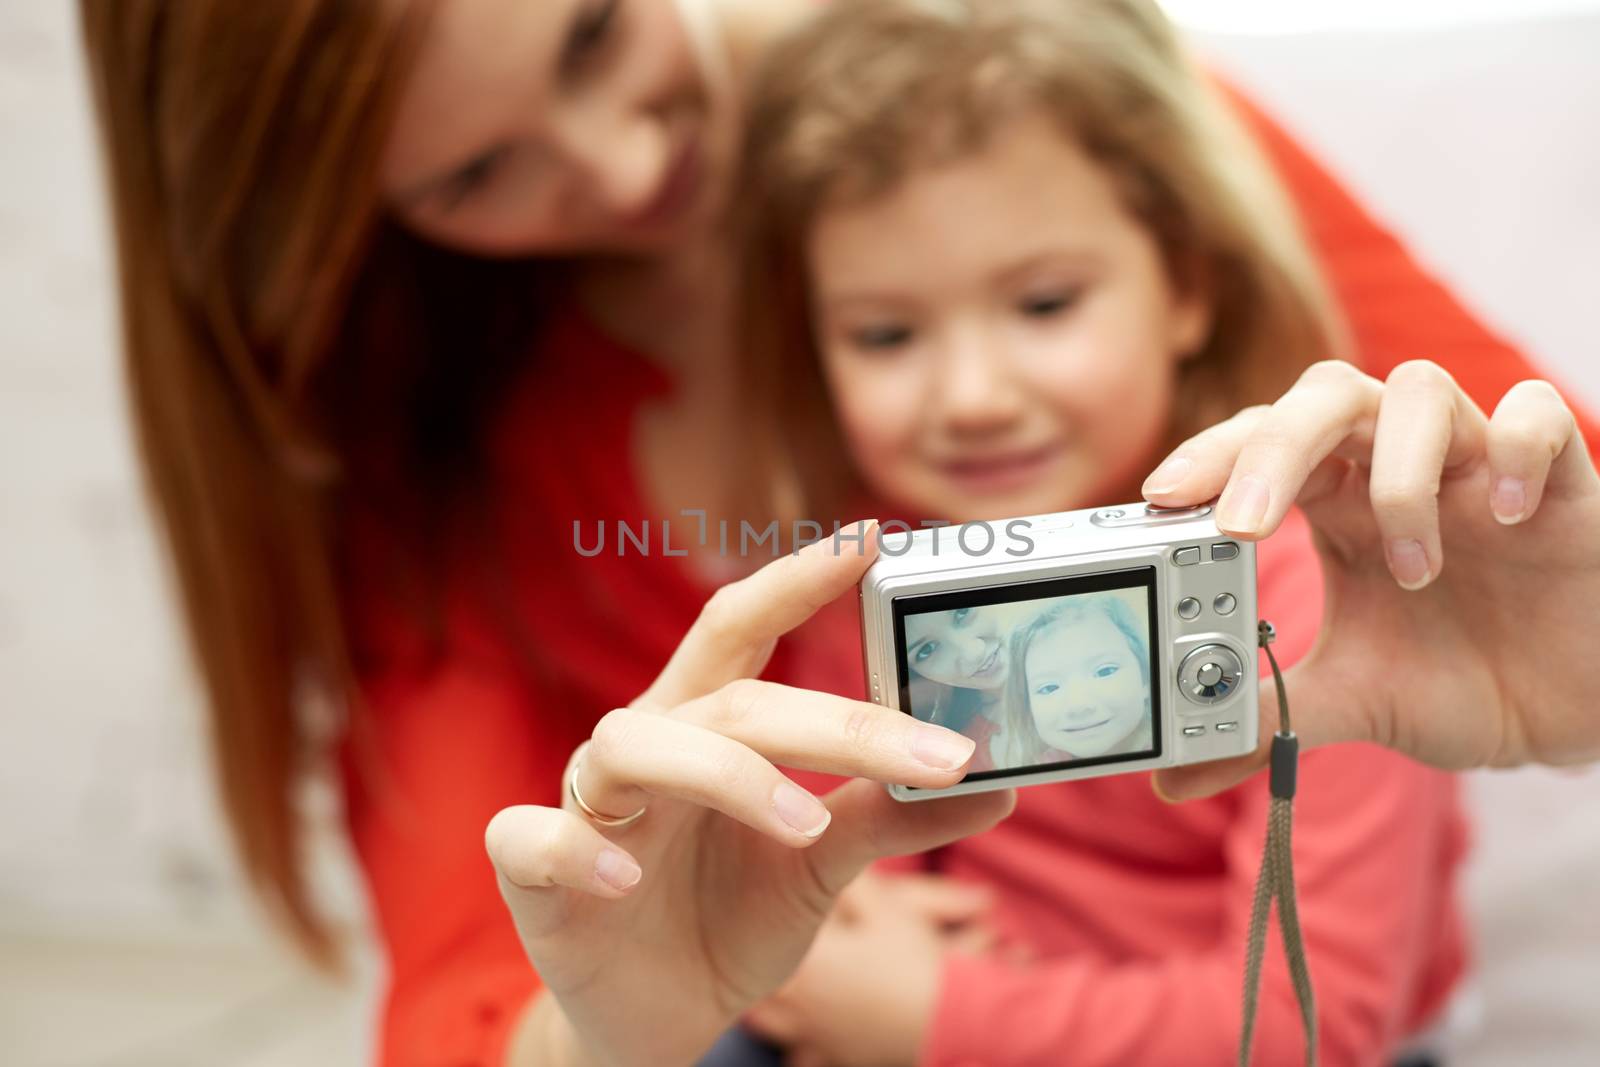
x=800, y=810
x=617, y=870
x=1244, y=505
x=1161, y=793
x=1409, y=564
x=1168, y=476
x=1510, y=500
x=939, y=748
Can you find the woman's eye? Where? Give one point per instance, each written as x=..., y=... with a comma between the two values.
x=1106, y=670
x=881, y=338
x=927, y=650
x=1046, y=689
x=470, y=180
x=1049, y=304
x=588, y=33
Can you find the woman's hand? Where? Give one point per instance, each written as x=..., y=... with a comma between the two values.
x=1460, y=554
x=865, y=994
x=655, y=936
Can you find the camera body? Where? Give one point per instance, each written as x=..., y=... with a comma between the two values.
x=1069, y=646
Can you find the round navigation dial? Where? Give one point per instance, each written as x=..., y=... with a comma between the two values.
x=1210, y=674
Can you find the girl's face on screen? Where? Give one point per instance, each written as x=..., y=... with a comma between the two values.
x=1086, y=690
x=999, y=335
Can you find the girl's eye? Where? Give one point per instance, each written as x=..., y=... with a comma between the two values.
x=588, y=33
x=1046, y=689
x=1046, y=305
x=960, y=615
x=881, y=338
x=928, y=649
x=1106, y=670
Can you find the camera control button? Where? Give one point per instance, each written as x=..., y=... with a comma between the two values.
x=1227, y=727
x=1209, y=674
x=1223, y=552
x=1194, y=731
x=1224, y=604
x=1188, y=608
x=1186, y=557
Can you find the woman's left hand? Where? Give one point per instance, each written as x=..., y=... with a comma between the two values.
x=865, y=994
x=1481, y=662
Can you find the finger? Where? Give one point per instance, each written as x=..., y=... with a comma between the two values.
x=823, y=732
x=535, y=848
x=869, y=825
x=806, y=1056
x=1426, y=425
x=635, y=755
x=971, y=941
x=1322, y=714
x=1197, y=470
x=1329, y=412
x=718, y=753
x=1531, y=432
x=735, y=633
x=938, y=898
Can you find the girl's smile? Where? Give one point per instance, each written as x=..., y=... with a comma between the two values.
x=1000, y=335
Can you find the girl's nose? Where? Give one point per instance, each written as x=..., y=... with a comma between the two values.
x=978, y=390
x=1081, y=703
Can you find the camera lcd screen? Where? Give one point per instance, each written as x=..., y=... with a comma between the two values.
x=1041, y=674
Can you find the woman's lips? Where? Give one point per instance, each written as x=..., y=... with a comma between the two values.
x=678, y=188
x=990, y=664
x=1001, y=471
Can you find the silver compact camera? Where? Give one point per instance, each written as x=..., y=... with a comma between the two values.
x=1068, y=646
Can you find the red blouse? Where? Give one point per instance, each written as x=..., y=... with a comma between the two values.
x=488, y=720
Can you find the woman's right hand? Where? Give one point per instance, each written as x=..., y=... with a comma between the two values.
x=652, y=938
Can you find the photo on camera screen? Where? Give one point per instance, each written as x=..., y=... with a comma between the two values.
x=1041, y=675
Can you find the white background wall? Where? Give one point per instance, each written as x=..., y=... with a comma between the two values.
x=1477, y=139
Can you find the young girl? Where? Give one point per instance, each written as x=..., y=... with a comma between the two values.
x=1081, y=687
x=1018, y=250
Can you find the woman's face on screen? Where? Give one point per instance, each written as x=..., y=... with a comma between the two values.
x=559, y=127
x=1086, y=691
x=967, y=647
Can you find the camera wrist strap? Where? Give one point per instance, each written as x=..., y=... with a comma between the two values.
x=1276, y=880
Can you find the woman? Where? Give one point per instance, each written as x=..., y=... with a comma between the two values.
x=409, y=288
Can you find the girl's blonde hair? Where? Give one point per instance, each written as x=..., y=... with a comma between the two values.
x=1019, y=741
x=873, y=90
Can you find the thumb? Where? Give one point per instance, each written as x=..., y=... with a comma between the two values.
x=1199, y=780
x=1329, y=710
x=868, y=824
